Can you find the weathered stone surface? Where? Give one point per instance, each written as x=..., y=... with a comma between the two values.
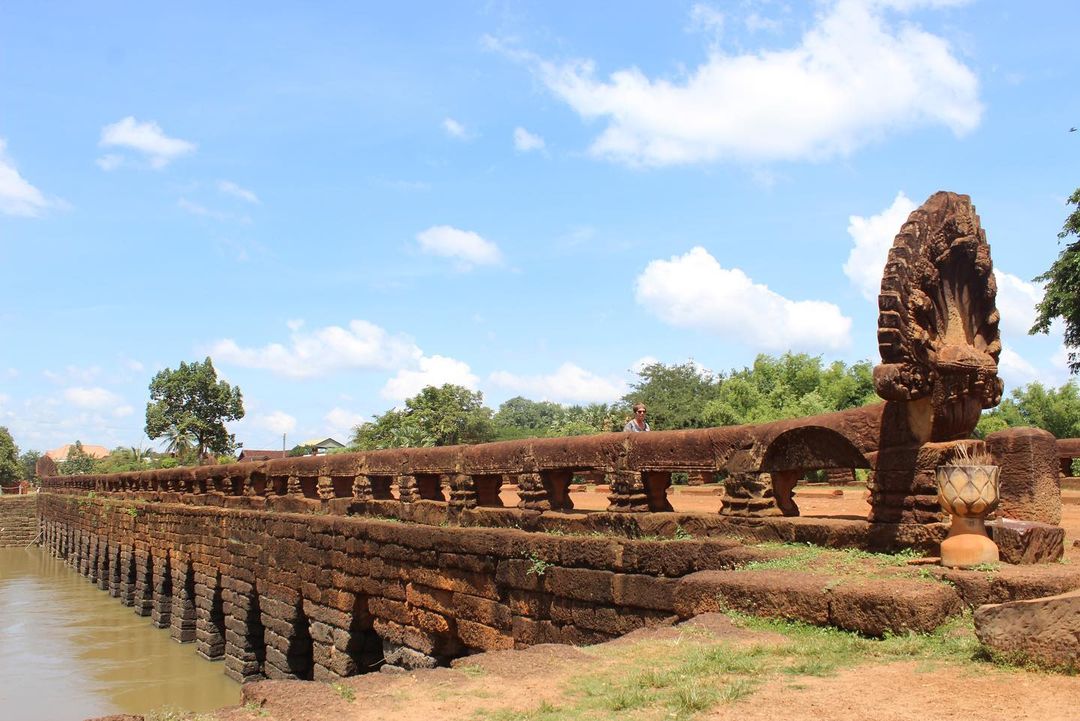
x=872, y=608
x=773, y=594
x=1023, y=542
x=892, y=605
x=1030, y=489
x=1009, y=583
x=1044, y=631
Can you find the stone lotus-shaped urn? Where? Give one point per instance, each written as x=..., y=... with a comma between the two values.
x=968, y=489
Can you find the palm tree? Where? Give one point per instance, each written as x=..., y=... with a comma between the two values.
x=140, y=456
x=178, y=441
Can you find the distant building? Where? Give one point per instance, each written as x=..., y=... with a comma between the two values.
x=249, y=454
x=59, y=455
x=320, y=446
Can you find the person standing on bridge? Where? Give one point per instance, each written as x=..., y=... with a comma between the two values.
x=637, y=424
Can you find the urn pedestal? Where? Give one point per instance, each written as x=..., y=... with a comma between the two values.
x=969, y=493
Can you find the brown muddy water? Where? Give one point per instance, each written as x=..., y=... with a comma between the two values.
x=69, y=651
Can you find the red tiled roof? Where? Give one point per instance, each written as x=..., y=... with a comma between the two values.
x=60, y=454
x=253, y=455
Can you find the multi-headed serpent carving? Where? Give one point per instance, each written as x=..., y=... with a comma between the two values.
x=938, y=324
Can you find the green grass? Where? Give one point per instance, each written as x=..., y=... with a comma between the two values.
x=682, y=678
x=345, y=692
x=808, y=557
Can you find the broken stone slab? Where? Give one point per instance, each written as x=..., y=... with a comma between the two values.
x=873, y=608
x=1024, y=542
x=1002, y=583
x=1044, y=631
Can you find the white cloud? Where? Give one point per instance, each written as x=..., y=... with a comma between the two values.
x=432, y=371
x=123, y=411
x=342, y=421
x=568, y=384
x=707, y=19
x=694, y=291
x=73, y=374
x=853, y=77
x=230, y=188
x=524, y=141
x=873, y=238
x=455, y=129
x=147, y=138
x=1016, y=301
x=361, y=346
x=195, y=209
x=466, y=247
x=17, y=196
x=1015, y=370
x=646, y=360
x=110, y=162
x=96, y=398
x=278, y=422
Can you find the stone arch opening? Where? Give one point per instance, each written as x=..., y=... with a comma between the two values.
x=364, y=648
x=795, y=452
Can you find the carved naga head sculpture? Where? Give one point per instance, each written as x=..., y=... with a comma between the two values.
x=938, y=324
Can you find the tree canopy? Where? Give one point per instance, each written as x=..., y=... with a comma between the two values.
x=28, y=463
x=78, y=462
x=10, y=470
x=190, y=402
x=443, y=416
x=675, y=395
x=1053, y=409
x=1062, y=294
x=793, y=385
x=678, y=396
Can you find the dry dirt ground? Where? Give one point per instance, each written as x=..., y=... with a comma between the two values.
x=709, y=668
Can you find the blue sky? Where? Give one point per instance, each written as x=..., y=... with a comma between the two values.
x=342, y=202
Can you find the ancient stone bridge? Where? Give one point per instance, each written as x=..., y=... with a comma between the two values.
x=327, y=566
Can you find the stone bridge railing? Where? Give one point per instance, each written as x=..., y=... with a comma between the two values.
x=762, y=463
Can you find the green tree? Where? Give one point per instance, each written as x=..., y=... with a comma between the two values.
x=124, y=459
x=675, y=395
x=443, y=416
x=522, y=418
x=1053, y=409
x=1062, y=296
x=791, y=386
x=191, y=401
x=589, y=419
x=28, y=463
x=10, y=470
x=78, y=462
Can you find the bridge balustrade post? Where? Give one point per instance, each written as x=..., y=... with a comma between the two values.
x=627, y=493
x=462, y=491
x=533, y=496
x=749, y=495
x=362, y=487
x=407, y=492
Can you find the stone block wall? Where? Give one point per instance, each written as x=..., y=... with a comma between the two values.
x=310, y=596
x=18, y=520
